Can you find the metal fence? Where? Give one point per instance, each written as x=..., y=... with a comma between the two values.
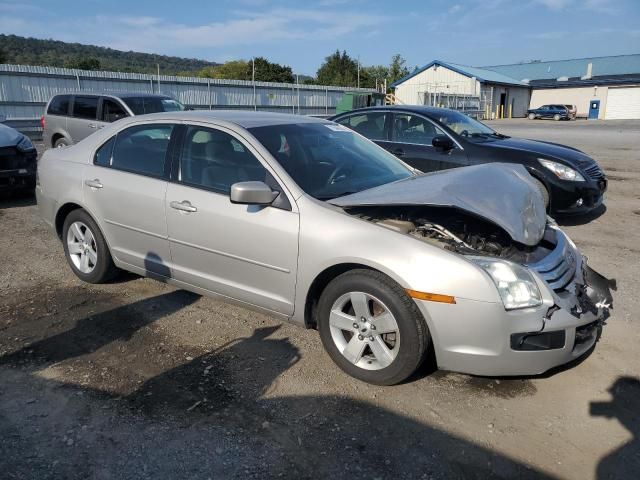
x=25, y=90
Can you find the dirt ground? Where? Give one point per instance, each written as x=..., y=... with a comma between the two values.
x=137, y=379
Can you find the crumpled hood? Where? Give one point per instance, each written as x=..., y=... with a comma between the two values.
x=8, y=136
x=499, y=192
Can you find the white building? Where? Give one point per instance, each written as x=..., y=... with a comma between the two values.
x=603, y=87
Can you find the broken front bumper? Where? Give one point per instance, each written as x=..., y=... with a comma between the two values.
x=483, y=338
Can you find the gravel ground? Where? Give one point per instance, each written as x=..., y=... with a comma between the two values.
x=137, y=379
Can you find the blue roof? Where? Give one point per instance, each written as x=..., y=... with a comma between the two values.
x=482, y=74
x=577, y=67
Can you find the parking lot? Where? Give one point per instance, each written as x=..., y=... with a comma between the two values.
x=137, y=379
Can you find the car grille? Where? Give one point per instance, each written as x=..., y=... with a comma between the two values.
x=594, y=172
x=559, y=267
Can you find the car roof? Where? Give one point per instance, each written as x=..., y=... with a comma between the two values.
x=242, y=118
x=115, y=94
x=423, y=109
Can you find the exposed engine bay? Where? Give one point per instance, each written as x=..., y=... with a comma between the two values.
x=456, y=230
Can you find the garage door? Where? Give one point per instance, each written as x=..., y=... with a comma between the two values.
x=623, y=103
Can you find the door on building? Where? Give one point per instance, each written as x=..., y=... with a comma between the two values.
x=594, y=109
x=503, y=105
x=623, y=103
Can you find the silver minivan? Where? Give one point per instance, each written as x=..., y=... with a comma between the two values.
x=70, y=118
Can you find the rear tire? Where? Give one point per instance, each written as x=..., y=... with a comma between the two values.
x=381, y=336
x=61, y=143
x=543, y=190
x=86, y=249
x=532, y=116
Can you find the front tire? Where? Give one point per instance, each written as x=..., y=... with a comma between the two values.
x=86, y=249
x=371, y=328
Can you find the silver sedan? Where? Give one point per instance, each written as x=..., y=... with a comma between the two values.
x=308, y=221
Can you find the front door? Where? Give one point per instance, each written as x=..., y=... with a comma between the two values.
x=125, y=189
x=411, y=142
x=245, y=252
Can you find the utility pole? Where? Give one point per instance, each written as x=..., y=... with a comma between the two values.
x=253, y=79
x=158, y=65
x=358, y=71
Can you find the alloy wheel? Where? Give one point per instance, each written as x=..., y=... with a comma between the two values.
x=82, y=247
x=364, y=330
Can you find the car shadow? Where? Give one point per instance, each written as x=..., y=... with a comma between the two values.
x=575, y=220
x=225, y=414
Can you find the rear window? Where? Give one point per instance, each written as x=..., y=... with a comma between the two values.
x=85, y=107
x=143, y=105
x=59, y=105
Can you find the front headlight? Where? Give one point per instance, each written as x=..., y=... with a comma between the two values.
x=562, y=171
x=516, y=286
x=24, y=145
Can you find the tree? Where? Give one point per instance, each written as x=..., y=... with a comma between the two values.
x=233, y=70
x=338, y=69
x=373, y=76
x=270, y=72
x=397, y=69
x=3, y=56
x=83, y=63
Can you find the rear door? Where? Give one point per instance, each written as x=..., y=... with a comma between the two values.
x=125, y=189
x=411, y=137
x=84, y=116
x=246, y=252
x=374, y=125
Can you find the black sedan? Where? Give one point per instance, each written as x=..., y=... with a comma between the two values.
x=17, y=160
x=432, y=139
x=557, y=112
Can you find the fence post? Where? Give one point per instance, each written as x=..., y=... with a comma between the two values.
x=293, y=94
x=78, y=80
x=326, y=100
x=209, y=91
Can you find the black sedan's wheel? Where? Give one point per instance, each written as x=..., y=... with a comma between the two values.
x=85, y=248
x=543, y=190
x=371, y=328
x=532, y=116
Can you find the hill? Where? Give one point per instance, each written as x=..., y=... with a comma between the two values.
x=33, y=51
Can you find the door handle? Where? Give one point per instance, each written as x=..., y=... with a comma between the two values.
x=95, y=183
x=398, y=152
x=183, y=206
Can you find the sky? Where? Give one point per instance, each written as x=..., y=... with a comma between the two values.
x=301, y=34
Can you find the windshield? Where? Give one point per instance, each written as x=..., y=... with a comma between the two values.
x=142, y=105
x=463, y=125
x=328, y=160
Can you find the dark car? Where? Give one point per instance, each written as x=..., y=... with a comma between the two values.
x=18, y=159
x=557, y=112
x=432, y=139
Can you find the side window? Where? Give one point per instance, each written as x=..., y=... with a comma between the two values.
x=409, y=128
x=85, y=107
x=112, y=111
x=142, y=149
x=215, y=160
x=370, y=125
x=59, y=105
x=103, y=154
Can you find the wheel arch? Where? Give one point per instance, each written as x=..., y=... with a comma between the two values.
x=323, y=279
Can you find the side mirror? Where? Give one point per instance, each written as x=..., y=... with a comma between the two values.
x=442, y=142
x=252, y=193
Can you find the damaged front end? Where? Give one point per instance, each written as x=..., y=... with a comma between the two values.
x=577, y=300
